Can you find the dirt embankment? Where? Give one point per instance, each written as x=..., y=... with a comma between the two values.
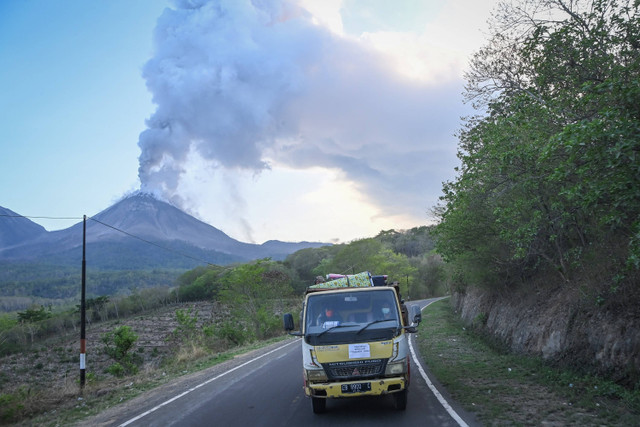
x=561, y=325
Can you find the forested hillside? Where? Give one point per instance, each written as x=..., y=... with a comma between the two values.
x=405, y=256
x=549, y=181
x=541, y=227
x=22, y=285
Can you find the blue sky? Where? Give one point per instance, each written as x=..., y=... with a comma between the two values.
x=331, y=121
x=72, y=103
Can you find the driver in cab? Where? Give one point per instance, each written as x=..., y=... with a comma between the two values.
x=329, y=317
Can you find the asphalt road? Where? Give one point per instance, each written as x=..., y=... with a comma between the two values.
x=264, y=388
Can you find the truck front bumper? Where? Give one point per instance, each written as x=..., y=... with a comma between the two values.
x=378, y=387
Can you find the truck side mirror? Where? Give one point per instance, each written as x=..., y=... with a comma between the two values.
x=416, y=315
x=287, y=319
x=288, y=322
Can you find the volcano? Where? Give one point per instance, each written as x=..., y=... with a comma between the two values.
x=138, y=232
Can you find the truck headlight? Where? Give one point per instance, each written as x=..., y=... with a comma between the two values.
x=396, y=368
x=316, y=375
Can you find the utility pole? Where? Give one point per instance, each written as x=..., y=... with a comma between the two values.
x=83, y=340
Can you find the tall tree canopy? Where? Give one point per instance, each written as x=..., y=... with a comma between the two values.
x=550, y=166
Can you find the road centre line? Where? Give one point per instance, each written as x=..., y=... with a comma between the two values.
x=144, y=414
x=435, y=391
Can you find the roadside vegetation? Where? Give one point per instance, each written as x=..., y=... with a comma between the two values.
x=143, y=339
x=546, y=203
x=153, y=336
x=502, y=388
x=549, y=181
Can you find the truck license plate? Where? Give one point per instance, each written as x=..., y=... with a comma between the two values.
x=356, y=387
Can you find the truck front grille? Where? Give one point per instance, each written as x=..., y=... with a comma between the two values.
x=355, y=369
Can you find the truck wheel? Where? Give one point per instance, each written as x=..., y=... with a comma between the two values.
x=400, y=400
x=319, y=405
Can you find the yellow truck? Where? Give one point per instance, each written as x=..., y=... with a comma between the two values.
x=354, y=339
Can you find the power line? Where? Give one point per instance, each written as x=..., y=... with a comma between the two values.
x=42, y=217
x=151, y=243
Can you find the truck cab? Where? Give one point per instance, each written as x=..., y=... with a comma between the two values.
x=354, y=340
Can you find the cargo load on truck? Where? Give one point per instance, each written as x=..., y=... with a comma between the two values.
x=354, y=339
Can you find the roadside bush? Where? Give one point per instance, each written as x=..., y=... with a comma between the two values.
x=118, y=344
x=117, y=370
x=233, y=333
x=13, y=405
x=9, y=407
x=270, y=324
x=187, y=321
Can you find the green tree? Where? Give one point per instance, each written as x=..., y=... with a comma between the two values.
x=412, y=242
x=369, y=255
x=549, y=168
x=304, y=263
x=7, y=323
x=357, y=256
x=429, y=279
x=200, y=284
x=34, y=314
x=252, y=291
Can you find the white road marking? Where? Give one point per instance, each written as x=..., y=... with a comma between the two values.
x=435, y=391
x=144, y=414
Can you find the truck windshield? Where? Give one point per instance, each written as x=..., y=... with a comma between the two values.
x=351, y=316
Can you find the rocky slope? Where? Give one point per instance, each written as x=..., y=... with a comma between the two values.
x=560, y=324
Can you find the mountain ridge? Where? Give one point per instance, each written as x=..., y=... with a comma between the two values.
x=17, y=228
x=126, y=226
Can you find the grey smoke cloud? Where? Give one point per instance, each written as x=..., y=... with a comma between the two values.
x=243, y=83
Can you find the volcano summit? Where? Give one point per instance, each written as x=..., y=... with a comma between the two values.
x=138, y=232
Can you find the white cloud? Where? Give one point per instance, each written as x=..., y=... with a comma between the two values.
x=325, y=13
x=262, y=104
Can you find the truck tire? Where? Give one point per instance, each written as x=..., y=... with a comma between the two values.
x=400, y=400
x=319, y=405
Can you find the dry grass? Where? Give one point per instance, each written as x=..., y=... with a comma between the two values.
x=41, y=387
x=190, y=352
x=46, y=379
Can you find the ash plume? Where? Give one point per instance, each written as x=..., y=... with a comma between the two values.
x=246, y=84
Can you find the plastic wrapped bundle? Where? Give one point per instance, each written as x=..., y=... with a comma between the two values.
x=359, y=280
